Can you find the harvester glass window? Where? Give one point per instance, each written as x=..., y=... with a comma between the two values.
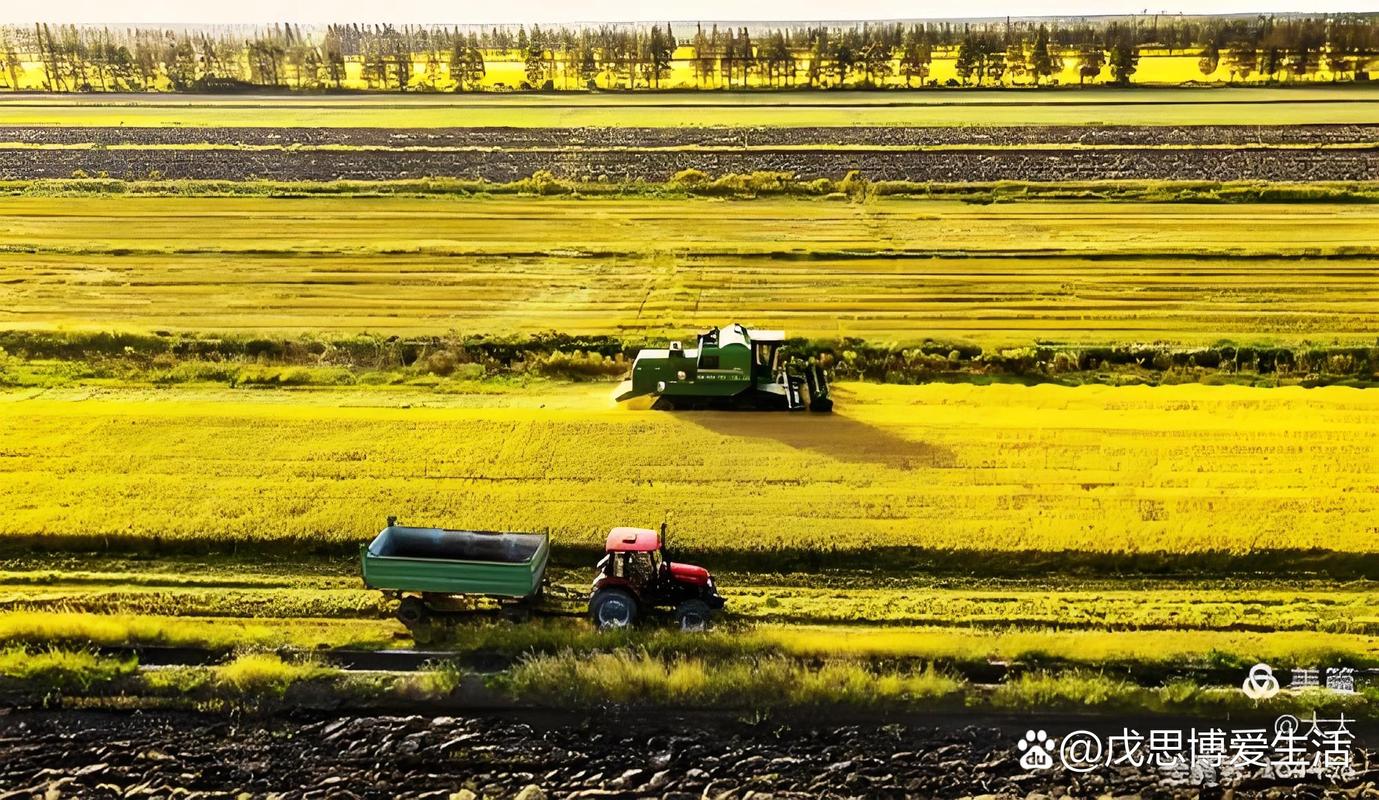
x=765, y=355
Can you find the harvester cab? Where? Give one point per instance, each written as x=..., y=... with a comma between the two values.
x=636, y=575
x=734, y=367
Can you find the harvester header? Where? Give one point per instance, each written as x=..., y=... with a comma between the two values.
x=733, y=367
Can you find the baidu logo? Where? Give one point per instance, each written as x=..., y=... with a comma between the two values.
x=1036, y=750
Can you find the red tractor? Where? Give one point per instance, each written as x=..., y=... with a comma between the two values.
x=636, y=575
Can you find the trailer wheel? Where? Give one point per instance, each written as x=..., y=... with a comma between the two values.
x=613, y=608
x=423, y=635
x=411, y=611
x=515, y=612
x=693, y=615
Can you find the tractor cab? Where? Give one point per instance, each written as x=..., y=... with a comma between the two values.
x=635, y=575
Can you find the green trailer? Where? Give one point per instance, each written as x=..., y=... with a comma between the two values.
x=440, y=570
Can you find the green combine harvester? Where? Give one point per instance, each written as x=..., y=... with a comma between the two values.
x=731, y=368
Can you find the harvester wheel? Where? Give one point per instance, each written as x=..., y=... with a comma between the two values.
x=411, y=612
x=692, y=615
x=613, y=608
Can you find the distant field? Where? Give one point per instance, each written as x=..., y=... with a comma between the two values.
x=885, y=270
x=1183, y=470
x=1069, y=106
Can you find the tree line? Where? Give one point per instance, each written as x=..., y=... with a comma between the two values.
x=71, y=58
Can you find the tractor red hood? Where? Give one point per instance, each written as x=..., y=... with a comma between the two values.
x=689, y=573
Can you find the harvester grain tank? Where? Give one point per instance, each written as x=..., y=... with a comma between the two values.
x=733, y=367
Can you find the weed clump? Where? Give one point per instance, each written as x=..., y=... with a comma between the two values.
x=62, y=670
x=1065, y=690
x=267, y=674
x=636, y=677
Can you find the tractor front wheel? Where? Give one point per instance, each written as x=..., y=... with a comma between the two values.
x=613, y=608
x=693, y=615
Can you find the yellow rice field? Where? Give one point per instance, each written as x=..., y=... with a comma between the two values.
x=887, y=270
x=1181, y=469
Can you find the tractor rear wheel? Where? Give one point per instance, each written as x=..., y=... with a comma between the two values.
x=411, y=612
x=693, y=615
x=613, y=608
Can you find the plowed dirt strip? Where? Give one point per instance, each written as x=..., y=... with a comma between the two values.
x=580, y=755
x=1291, y=165
x=1187, y=469
x=755, y=136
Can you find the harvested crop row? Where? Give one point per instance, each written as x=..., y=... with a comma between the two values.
x=885, y=270
x=1312, y=104
x=756, y=598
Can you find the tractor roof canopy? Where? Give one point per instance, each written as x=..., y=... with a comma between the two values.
x=633, y=540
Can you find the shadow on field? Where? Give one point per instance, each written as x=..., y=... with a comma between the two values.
x=834, y=435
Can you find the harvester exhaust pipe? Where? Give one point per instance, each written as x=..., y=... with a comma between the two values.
x=794, y=400
x=819, y=398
